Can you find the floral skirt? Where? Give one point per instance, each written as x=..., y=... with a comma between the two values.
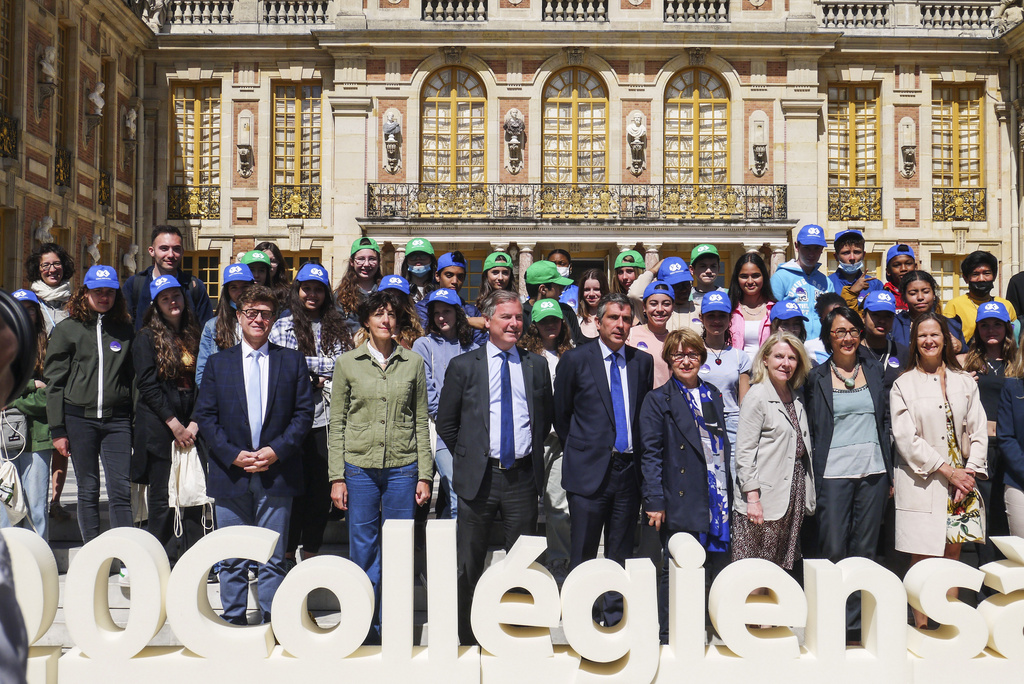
x=777, y=541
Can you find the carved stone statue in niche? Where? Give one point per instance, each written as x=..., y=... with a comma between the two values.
x=48, y=65
x=1008, y=14
x=96, y=98
x=128, y=260
x=131, y=124
x=93, y=250
x=42, y=230
x=515, y=139
x=392, y=141
x=636, y=137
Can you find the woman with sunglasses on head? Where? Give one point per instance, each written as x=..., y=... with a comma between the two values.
x=941, y=434
x=751, y=295
x=847, y=410
x=726, y=367
x=223, y=330
x=164, y=353
x=88, y=376
x=921, y=294
x=407, y=320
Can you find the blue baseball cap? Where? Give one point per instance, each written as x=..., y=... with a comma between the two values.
x=25, y=296
x=993, y=310
x=160, y=284
x=239, y=272
x=880, y=300
x=715, y=301
x=445, y=295
x=845, y=234
x=311, y=271
x=448, y=259
x=897, y=250
x=812, y=234
x=659, y=287
x=786, y=309
x=101, y=276
x=674, y=271
x=394, y=282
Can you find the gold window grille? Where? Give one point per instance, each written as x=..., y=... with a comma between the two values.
x=575, y=129
x=946, y=272
x=853, y=136
x=957, y=136
x=61, y=97
x=204, y=265
x=297, y=142
x=453, y=127
x=6, y=55
x=697, y=128
x=196, y=115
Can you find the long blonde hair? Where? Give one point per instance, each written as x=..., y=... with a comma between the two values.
x=803, y=362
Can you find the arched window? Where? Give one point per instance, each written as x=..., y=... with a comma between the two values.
x=697, y=128
x=575, y=128
x=453, y=127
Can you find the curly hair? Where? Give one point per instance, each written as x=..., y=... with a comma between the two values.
x=171, y=345
x=348, y=293
x=78, y=307
x=408, y=321
x=335, y=337
x=281, y=280
x=531, y=342
x=36, y=257
x=462, y=328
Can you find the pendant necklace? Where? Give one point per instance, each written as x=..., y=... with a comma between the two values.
x=849, y=382
x=718, y=357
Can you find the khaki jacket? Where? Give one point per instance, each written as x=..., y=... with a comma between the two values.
x=919, y=429
x=766, y=452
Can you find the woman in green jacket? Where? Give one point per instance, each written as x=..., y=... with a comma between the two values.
x=380, y=463
x=88, y=377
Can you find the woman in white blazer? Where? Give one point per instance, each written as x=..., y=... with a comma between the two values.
x=774, y=480
x=941, y=436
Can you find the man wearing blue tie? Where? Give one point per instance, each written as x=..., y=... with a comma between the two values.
x=495, y=411
x=255, y=407
x=599, y=389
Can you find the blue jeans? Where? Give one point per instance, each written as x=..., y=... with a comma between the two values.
x=34, y=470
x=445, y=468
x=257, y=508
x=376, y=495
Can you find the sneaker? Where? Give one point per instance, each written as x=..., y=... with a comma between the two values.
x=122, y=577
x=58, y=513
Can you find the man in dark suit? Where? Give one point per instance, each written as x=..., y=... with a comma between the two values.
x=254, y=409
x=495, y=411
x=599, y=389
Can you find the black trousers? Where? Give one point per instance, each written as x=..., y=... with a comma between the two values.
x=94, y=440
x=311, y=510
x=514, y=494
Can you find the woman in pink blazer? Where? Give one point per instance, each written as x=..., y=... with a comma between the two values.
x=751, y=295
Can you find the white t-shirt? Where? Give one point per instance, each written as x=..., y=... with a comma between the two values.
x=726, y=375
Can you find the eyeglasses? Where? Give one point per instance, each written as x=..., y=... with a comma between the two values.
x=366, y=260
x=843, y=333
x=693, y=356
x=55, y=266
x=252, y=314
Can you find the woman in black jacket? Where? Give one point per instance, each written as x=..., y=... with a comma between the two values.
x=847, y=412
x=165, y=354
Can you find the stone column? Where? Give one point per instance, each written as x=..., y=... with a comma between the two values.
x=525, y=261
x=751, y=246
x=499, y=247
x=399, y=258
x=778, y=254
x=625, y=246
x=651, y=255
x=801, y=168
x=348, y=177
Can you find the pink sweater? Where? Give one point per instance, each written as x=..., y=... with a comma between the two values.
x=736, y=325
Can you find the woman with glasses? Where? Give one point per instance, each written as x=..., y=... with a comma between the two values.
x=846, y=410
x=361, y=278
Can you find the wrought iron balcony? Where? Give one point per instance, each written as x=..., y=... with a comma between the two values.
x=104, y=193
x=62, y=167
x=193, y=201
x=854, y=204
x=8, y=137
x=576, y=201
x=294, y=201
x=958, y=204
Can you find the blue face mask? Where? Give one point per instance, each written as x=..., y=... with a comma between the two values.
x=419, y=270
x=851, y=269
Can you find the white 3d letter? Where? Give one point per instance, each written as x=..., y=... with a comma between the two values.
x=686, y=580
x=962, y=632
x=36, y=581
x=1004, y=612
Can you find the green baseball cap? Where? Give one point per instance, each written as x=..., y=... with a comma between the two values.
x=497, y=259
x=545, y=308
x=630, y=259
x=419, y=245
x=255, y=257
x=364, y=243
x=703, y=250
x=544, y=272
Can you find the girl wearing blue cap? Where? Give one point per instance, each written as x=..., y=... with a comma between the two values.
x=88, y=377
x=448, y=334
x=650, y=337
x=407, y=328
x=726, y=368
x=33, y=463
x=315, y=327
x=223, y=330
x=164, y=354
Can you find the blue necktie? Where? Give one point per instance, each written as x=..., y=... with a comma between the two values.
x=253, y=395
x=507, y=457
x=618, y=406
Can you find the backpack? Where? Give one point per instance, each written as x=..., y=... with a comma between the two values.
x=139, y=285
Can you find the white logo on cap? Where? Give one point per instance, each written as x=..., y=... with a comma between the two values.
x=442, y=293
x=790, y=306
x=21, y=295
x=234, y=269
x=675, y=267
x=416, y=243
x=813, y=230
x=394, y=280
x=991, y=306
x=547, y=305
x=714, y=297
x=103, y=273
x=884, y=297
x=315, y=272
x=161, y=281
x=703, y=248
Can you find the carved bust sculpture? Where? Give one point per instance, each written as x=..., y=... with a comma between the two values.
x=392, y=141
x=131, y=124
x=515, y=137
x=96, y=98
x=636, y=136
x=48, y=65
x=128, y=259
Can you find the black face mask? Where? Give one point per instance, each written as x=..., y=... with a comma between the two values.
x=981, y=288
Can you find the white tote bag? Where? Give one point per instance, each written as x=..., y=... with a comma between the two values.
x=15, y=438
x=187, y=484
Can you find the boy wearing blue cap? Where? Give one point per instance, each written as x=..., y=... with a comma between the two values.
x=899, y=261
x=879, y=314
x=800, y=281
x=851, y=280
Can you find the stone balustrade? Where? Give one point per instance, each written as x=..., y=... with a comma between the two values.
x=697, y=11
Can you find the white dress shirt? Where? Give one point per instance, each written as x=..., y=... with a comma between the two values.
x=264, y=362
x=520, y=409
x=606, y=354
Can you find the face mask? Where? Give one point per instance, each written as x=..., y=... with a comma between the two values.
x=851, y=269
x=981, y=288
x=419, y=270
x=563, y=271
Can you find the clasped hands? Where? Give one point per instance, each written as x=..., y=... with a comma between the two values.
x=256, y=461
x=963, y=480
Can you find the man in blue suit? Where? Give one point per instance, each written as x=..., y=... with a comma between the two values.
x=599, y=389
x=254, y=409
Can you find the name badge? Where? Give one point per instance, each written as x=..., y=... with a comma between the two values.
x=894, y=362
x=115, y=346
x=705, y=369
x=641, y=345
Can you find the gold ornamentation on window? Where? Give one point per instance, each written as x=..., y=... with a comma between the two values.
x=453, y=127
x=575, y=137
x=854, y=204
x=958, y=204
x=697, y=128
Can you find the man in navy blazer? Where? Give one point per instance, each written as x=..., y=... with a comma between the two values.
x=255, y=407
x=600, y=434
